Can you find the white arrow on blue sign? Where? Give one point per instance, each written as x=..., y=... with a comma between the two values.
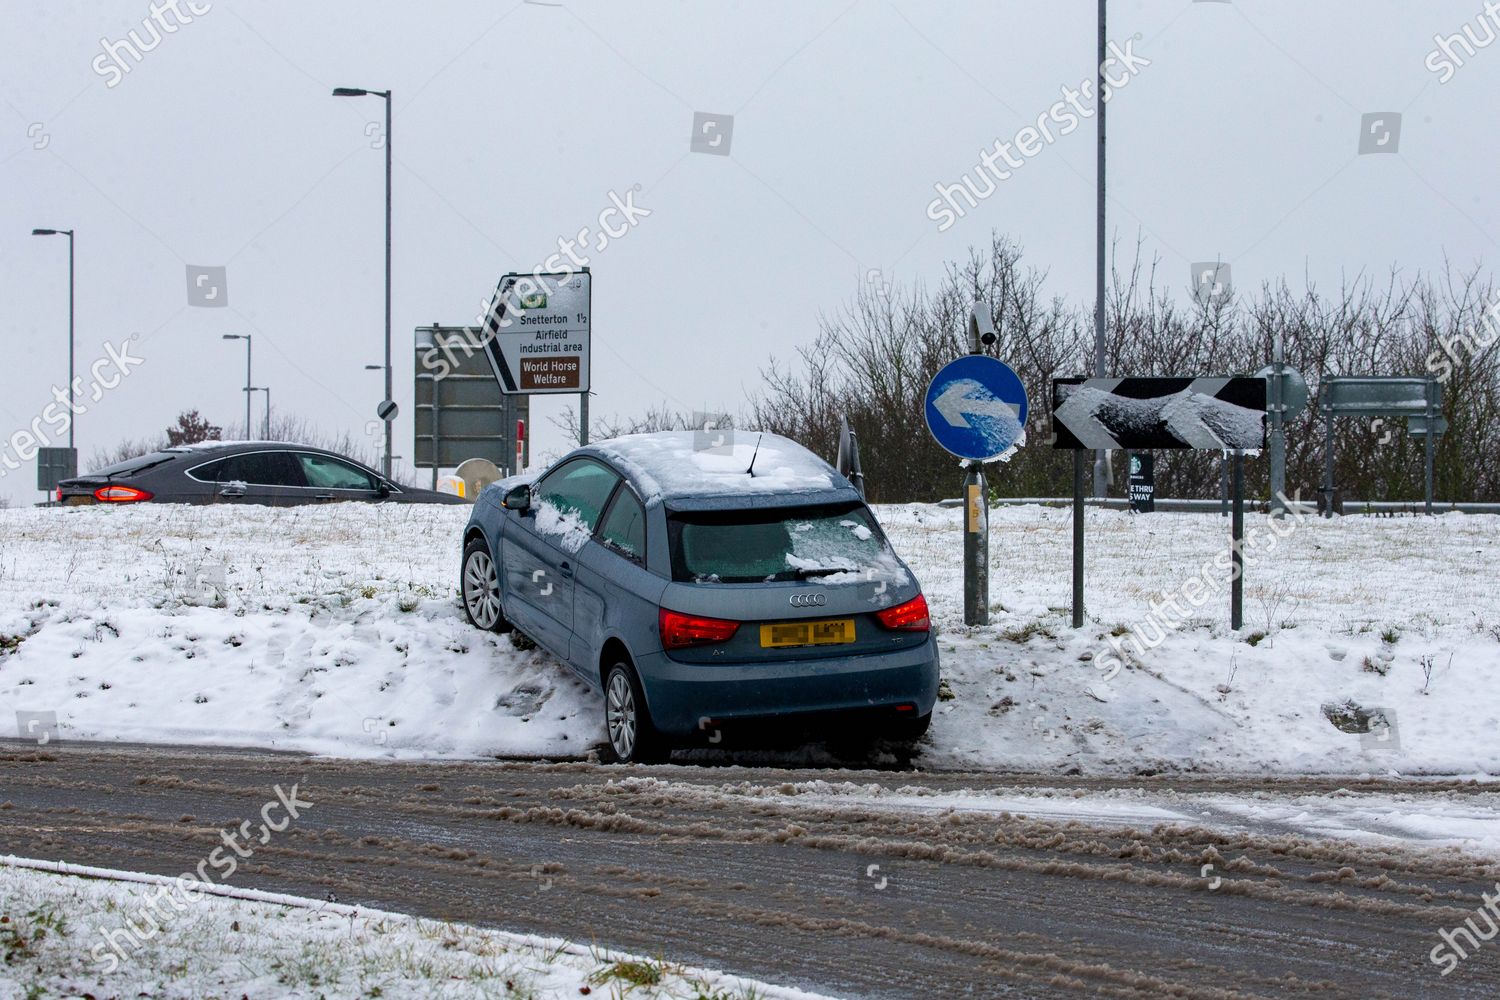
x=976, y=408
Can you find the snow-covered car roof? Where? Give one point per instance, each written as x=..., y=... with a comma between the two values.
x=675, y=465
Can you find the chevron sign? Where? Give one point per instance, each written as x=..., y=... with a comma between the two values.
x=1139, y=414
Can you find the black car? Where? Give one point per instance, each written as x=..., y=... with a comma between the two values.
x=264, y=472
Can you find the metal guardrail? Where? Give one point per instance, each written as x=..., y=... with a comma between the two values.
x=1351, y=507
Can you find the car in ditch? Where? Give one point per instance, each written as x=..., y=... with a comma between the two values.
x=274, y=473
x=702, y=585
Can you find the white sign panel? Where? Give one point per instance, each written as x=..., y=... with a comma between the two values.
x=537, y=333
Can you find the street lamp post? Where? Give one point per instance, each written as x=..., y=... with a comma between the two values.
x=389, y=386
x=246, y=338
x=267, y=390
x=1101, y=458
x=71, y=388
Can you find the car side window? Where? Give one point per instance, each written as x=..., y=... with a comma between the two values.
x=207, y=473
x=331, y=474
x=259, y=468
x=581, y=487
x=624, y=528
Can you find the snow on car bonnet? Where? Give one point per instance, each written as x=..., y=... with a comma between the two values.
x=699, y=463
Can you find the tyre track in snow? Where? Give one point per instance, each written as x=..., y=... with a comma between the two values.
x=767, y=872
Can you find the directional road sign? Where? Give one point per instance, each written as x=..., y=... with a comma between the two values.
x=976, y=408
x=537, y=332
x=1141, y=414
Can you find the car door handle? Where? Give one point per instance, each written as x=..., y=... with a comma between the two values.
x=232, y=491
x=565, y=569
x=323, y=496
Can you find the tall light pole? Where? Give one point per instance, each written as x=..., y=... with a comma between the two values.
x=1101, y=458
x=389, y=387
x=71, y=389
x=246, y=338
x=267, y=390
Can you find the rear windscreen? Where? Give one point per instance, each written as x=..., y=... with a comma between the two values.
x=131, y=466
x=746, y=546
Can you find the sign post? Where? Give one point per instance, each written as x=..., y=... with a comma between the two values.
x=1286, y=397
x=976, y=410
x=1218, y=414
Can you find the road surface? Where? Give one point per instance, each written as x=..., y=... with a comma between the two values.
x=861, y=892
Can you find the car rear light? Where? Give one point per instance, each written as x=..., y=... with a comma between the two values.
x=679, y=630
x=120, y=494
x=909, y=617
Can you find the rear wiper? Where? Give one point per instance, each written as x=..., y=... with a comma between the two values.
x=803, y=574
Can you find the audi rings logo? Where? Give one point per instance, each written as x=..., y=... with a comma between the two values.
x=808, y=600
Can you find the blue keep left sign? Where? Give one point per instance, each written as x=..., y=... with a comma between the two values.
x=976, y=408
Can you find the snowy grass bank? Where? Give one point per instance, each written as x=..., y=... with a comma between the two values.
x=53, y=931
x=337, y=630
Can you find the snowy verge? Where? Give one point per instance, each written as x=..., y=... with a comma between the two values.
x=53, y=927
x=1371, y=644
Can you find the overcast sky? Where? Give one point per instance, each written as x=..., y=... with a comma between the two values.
x=515, y=122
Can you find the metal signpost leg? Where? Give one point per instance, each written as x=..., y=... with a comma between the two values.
x=1328, y=464
x=976, y=548
x=1278, y=436
x=1237, y=533
x=1079, y=461
x=583, y=419
x=437, y=430
x=1430, y=436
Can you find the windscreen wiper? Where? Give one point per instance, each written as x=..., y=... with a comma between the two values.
x=803, y=574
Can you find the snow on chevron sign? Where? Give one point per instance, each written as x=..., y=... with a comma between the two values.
x=1139, y=414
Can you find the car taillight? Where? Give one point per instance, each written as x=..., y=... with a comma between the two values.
x=120, y=494
x=679, y=630
x=909, y=617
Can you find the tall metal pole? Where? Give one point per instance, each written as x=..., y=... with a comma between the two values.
x=1237, y=547
x=71, y=389
x=248, y=383
x=389, y=385
x=268, y=413
x=1078, y=464
x=1277, y=406
x=1100, y=457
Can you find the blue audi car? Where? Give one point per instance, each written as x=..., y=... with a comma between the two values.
x=701, y=581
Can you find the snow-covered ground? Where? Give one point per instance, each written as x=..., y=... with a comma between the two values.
x=337, y=629
x=65, y=935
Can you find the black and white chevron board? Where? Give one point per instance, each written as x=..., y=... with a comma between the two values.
x=1140, y=414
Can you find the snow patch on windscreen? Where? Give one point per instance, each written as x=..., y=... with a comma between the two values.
x=669, y=464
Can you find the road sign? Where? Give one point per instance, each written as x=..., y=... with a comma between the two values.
x=386, y=410
x=537, y=332
x=1142, y=484
x=1294, y=393
x=53, y=465
x=976, y=408
x=1217, y=414
x=1418, y=398
x=460, y=412
x=1417, y=426
x=1377, y=395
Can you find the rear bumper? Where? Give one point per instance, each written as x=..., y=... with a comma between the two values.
x=681, y=696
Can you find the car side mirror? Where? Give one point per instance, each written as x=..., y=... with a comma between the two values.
x=383, y=489
x=518, y=499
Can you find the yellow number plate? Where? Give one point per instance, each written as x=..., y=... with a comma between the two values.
x=826, y=633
